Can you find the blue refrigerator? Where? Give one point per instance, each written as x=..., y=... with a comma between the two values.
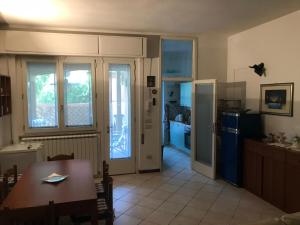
x=236, y=126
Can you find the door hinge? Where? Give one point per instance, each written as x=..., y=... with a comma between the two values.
x=142, y=139
x=95, y=64
x=214, y=128
x=96, y=95
x=22, y=96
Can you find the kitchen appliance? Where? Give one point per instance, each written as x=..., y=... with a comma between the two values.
x=187, y=136
x=235, y=126
x=22, y=155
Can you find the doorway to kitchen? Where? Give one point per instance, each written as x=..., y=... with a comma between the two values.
x=176, y=119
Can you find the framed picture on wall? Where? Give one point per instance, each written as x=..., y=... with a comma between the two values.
x=277, y=99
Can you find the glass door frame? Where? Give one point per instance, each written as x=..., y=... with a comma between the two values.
x=175, y=79
x=119, y=166
x=197, y=166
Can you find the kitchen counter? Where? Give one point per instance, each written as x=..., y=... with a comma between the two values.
x=178, y=131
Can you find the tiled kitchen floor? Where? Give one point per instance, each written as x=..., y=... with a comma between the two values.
x=179, y=196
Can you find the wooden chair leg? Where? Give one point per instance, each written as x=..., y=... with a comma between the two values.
x=109, y=221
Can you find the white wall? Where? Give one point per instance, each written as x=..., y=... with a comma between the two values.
x=212, y=56
x=150, y=151
x=277, y=44
x=5, y=121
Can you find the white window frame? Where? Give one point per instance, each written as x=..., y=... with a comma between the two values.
x=59, y=61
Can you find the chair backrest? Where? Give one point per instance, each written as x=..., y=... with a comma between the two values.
x=5, y=187
x=31, y=216
x=2, y=196
x=60, y=157
x=105, y=169
x=108, y=190
x=12, y=174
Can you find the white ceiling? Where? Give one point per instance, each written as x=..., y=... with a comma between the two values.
x=158, y=16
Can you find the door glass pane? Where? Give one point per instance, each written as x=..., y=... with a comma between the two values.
x=204, y=96
x=120, y=111
x=78, y=104
x=42, y=95
x=177, y=58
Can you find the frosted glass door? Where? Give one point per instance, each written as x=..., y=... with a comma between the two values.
x=119, y=114
x=204, y=108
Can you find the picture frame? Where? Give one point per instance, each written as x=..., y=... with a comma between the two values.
x=277, y=99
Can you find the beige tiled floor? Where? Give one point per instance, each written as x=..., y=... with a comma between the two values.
x=179, y=196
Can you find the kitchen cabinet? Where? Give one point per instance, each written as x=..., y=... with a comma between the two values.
x=186, y=94
x=121, y=46
x=272, y=173
x=29, y=42
x=252, y=165
x=292, y=194
x=177, y=134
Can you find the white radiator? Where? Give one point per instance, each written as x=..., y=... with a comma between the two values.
x=84, y=146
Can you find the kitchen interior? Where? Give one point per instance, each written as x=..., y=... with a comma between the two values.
x=176, y=115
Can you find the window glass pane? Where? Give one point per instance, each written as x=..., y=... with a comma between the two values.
x=120, y=111
x=177, y=58
x=42, y=95
x=78, y=108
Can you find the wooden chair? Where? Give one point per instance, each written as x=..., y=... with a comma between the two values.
x=31, y=216
x=60, y=157
x=2, y=194
x=12, y=175
x=104, y=205
x=99, y=186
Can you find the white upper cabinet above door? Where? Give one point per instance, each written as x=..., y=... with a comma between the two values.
x=121, y=46
x=27, y=42
x=50, y=43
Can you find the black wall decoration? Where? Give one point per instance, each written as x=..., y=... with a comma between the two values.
x=259, y=69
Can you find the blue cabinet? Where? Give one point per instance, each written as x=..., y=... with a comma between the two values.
x=177, y=134
x=186, y=94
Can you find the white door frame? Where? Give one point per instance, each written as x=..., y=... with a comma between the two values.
x=119, y=166
x=197, y=166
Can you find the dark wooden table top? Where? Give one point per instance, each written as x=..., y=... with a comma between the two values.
x=31, y=191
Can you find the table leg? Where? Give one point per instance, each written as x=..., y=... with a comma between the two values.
x=94, y=215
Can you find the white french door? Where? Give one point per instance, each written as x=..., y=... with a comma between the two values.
x=203, y=127
x=119, y=115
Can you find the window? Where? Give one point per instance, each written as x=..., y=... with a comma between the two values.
x=177, y=58
x=78, y=95
x=59, y=105
x=42, y=95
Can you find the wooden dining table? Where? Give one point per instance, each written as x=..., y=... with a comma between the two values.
x=74, y=196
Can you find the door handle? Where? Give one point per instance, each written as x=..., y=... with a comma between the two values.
x=108, y=129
